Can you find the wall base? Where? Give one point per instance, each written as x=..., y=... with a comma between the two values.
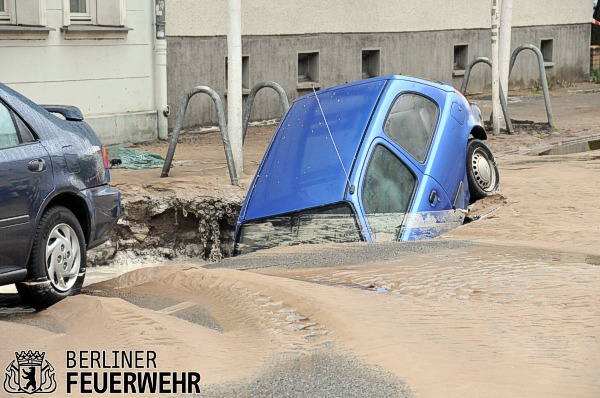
x=125, y=127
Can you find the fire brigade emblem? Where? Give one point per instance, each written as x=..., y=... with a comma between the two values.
x=29, y=374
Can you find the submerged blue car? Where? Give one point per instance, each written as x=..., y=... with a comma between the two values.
x=384, y=159
x=56, y=201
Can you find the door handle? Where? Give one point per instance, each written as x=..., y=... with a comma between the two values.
x=433, y=197
x=36, y=165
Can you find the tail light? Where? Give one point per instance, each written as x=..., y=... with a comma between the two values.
x=106, y=168
x=104, y=157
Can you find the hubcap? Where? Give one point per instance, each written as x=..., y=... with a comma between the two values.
x=63, y=257
x=483, y=170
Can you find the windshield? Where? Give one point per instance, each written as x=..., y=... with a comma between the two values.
x=303, y=168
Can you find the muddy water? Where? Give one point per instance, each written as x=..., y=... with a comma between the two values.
x=482, y=321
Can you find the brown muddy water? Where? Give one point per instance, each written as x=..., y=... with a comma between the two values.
x=479, y=321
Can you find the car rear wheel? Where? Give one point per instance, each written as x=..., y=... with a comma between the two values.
x=57, y=263
x=482, y=171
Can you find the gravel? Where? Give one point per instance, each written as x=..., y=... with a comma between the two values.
x=321, y=374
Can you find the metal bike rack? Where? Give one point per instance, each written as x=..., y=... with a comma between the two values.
x=463, y=89
x=250, y=101
x=543, y=79
x=222, y=126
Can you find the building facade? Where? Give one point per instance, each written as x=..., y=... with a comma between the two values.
x=314, y=43
x=95, y=54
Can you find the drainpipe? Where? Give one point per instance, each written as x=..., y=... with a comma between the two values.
x=504, y=46
x=234, y=83
x=495, y=70
x=160, y=71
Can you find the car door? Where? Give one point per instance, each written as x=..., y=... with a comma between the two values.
x=387, y=188
x=25, y=181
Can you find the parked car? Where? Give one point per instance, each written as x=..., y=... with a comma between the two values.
x=383, y=159
x=56, y=201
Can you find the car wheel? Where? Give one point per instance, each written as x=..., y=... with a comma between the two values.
x=482, y=171
x=57, y=263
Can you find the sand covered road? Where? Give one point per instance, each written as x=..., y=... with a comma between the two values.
x=550, y=202
x=471, y=321
x=504, y=306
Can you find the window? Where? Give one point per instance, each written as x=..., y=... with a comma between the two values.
x=94, y=12
x=547, y=49
x=245, y=72
x=461, y=59
x=13, y=131
x=386, y=194
x=31, y=13
x=80, y=10
x=370, y=63
x=308, y=67
x=411, y=124
x=5, y=11
x=325, y=224
x=8, y=131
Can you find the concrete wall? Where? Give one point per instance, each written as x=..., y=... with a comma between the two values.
x=201, y=61
x=285, y=17
x=110, y=79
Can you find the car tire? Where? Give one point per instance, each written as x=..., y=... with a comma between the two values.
x=57, y=262
x=482, y=171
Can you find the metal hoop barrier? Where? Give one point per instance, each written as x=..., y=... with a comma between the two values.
x=463, y=89
x=222, y=126
x=543, y=79
x=250, y=102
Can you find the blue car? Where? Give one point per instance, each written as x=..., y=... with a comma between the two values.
x=56, y=201
x=384, y=159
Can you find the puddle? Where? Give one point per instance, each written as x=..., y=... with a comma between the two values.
x=576, y=147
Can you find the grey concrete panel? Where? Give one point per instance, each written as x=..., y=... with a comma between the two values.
x=196, y=61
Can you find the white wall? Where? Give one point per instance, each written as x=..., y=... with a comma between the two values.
x=280, y=17
x=101, y=77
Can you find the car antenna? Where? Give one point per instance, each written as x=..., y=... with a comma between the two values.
x=331, y=136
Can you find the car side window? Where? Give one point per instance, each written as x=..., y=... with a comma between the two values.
x=411, y=124
x=387, y=191
x=8, y=130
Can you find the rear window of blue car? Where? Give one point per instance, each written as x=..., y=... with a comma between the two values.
x=411, y=124
x=327, y=224
x=307, y=163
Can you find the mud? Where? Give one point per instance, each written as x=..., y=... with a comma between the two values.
x=171, y=227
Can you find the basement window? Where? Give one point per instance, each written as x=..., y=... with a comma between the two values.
x=245, y=74
x=461, y=59
x=370, y=63
x=547, y=49
x=308, y=70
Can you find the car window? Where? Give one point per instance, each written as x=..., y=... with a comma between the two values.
x=8, y=131
x=411, y=123
x=386, y=194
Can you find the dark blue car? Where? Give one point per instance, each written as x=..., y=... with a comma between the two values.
x=384, y=159
x=56, y=201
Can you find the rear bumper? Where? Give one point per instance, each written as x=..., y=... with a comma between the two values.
x=105, y=209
